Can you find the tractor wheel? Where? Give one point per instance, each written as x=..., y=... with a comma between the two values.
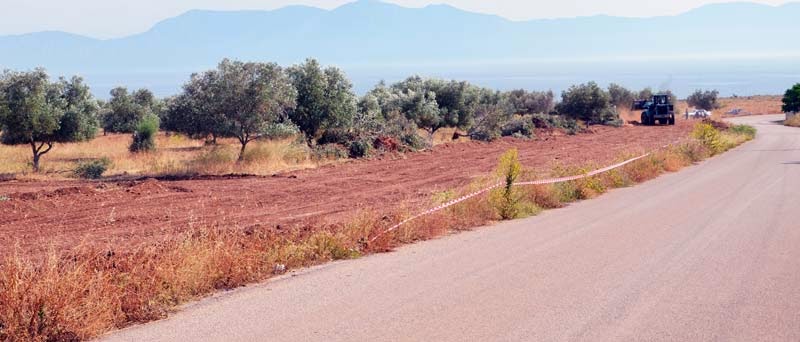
x=645, y=121
x=672, y=120
x=662, y=121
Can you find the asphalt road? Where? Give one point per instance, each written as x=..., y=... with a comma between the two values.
x=711, y=253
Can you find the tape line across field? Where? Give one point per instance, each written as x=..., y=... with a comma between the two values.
x=536, y=182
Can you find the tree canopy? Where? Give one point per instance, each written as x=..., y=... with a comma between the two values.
x=620, y=96
x=246, y=101
x=125, y=110
x=704, y=99
x=525, y=102
x=791, y=100
x=40, y=113
x=325, y=99
x=587, y=102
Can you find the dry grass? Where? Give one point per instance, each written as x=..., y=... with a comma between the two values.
x=88, y=291
x=175, y=154
x=749, y=105
x=794, y=121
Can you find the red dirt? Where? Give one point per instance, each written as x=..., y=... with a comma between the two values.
x=126, y=213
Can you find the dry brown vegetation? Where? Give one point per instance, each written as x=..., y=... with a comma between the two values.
x=749, y=105
x=794, y=121
x=175, y=154
x=86, y=291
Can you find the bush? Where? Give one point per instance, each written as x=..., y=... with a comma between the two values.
x=483, y=133
x=745, y=130
x=794, y=121
x=330, y=152
x=519, y=127
x=586, y=102
x=413, y=141
x=281, y=131
x=92, y=169
x=704, y=99
x=386, y=143
x=144, y=136
x=359, y=149
x=488, y=125
x=610, y=117
x=336, y=136
x=555, y=121
x=708, y=136
x=506, y=200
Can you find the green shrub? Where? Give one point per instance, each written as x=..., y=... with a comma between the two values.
x=144, y=136
x=521, y=127
x=330, y=152
x=359, y=149
x=709, y=136
x=281, y=131
x=570, y=126
x=413, y=141
x=745, y=130
x=92, y=169
x=610, y=117
x=506, y=199
x=336, y=136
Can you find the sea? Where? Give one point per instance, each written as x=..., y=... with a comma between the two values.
x=729, y=76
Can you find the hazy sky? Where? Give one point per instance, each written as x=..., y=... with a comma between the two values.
x=114, y=18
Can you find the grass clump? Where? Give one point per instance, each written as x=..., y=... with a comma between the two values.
x=92, y=169
x=745, y=130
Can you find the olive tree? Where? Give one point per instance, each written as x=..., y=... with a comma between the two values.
x=523, y=102
x=194, y=112
x=704, y=99
x=587, y=102
x=434, y=104
x=40, y=113
x=125, y=110
x=620, y=96
x=325, y=99
x=246, y=101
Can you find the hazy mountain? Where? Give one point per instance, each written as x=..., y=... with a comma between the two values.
x=373, y=33
x=379, y=33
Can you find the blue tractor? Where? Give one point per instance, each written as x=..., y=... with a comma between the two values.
x=658, y=109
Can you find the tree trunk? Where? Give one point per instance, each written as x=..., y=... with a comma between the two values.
x=37, y=153
x=36, y=157
x=241, y=152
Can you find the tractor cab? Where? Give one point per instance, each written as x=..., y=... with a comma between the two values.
x=658, y=109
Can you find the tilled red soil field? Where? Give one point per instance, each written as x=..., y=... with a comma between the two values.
x=39, y=214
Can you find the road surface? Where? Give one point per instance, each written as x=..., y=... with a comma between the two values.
x=711, y=253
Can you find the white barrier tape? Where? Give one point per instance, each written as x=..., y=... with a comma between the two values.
x=536, y=182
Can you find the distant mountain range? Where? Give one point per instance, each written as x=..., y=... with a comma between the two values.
x=376, y=33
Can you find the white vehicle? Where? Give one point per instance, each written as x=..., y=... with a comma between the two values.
x=700, y=114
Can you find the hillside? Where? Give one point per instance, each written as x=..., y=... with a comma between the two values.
x=369, y=32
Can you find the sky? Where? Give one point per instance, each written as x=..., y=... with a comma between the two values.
x=117, y=18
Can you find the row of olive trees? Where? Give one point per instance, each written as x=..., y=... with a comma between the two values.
x=249, y=101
